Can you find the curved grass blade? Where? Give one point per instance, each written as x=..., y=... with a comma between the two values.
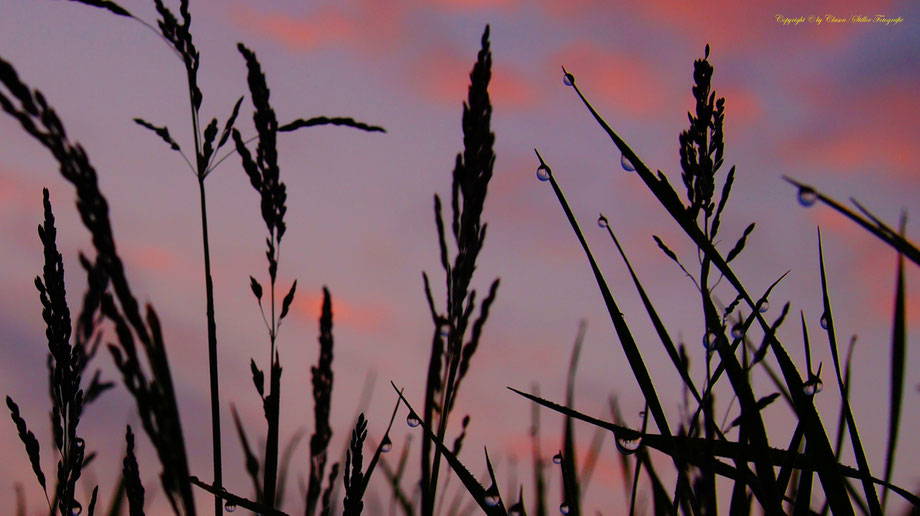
x=322, y=120
x=239, y=501
x=469, y=481
x=876, y=227
x=871, y=496
x=108, y=5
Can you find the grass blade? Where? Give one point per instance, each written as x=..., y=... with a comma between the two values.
x=831, y=479
x=898, y=352
x=653, y=314
x=871, y=495
x=875, y=227
x=569, y=467
x=239, y=501
x=469, y=481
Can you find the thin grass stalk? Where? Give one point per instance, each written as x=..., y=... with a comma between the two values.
x=875, y=507
x=898, y=360
x=569, y=463
x=870, y=223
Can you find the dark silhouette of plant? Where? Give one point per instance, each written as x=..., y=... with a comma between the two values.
x=451, y=351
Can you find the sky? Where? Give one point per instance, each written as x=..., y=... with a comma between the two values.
x=832, y=104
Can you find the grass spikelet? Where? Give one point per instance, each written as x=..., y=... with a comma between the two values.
x=33, y=449
x=133, y=486
x=322, y=400
x=451, y=353
x=354, y=478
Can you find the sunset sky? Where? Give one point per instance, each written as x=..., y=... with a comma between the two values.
x=831, y=104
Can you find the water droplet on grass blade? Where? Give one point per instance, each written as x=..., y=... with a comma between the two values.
x=386, y=445
x=764, y=306
x=517, y=508
x=564, y=508
x=824, y=321
x=628, y=446
x=812, y=387
x=626, y=164
x=413, y=420
x=602, y=222
x=737, y=331
x=492, y=498
x=230, y=507
x=711, y=341
x=807, y=196
x=543, y=173
x=568, y=79
x=557, y=458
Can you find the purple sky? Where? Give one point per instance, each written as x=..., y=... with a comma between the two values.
x=833, y=105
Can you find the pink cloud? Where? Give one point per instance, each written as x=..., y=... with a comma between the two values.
x=875, y=129
x=152, y=258
x=734, y=26
x=468, y=5
x=364, y=316
x=370, y=26
x=443, y=76
x=623, y=82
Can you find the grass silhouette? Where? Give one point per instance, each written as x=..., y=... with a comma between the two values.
x=703, y=451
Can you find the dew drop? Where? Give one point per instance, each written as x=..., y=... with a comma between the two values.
x=557, y=458
x=386, y=445
x=812, y=387
x=628, y=446
x=517, y=508
x=492, y=498
x=543, y=173
x=564, y=508
x=230, y=507
x=626, y=164
x=413, y=420
x=764, y=306
x=568, y=79
x=807, y=196
x=602, y=222
x=711, y=341
x=824, y=321
x=738, y=331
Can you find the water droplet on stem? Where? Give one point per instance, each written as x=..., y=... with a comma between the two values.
x=807, y=196
x=812, y=387
x=626, y=164
x=628, y=446
x=543, y=173
x=413, y=420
